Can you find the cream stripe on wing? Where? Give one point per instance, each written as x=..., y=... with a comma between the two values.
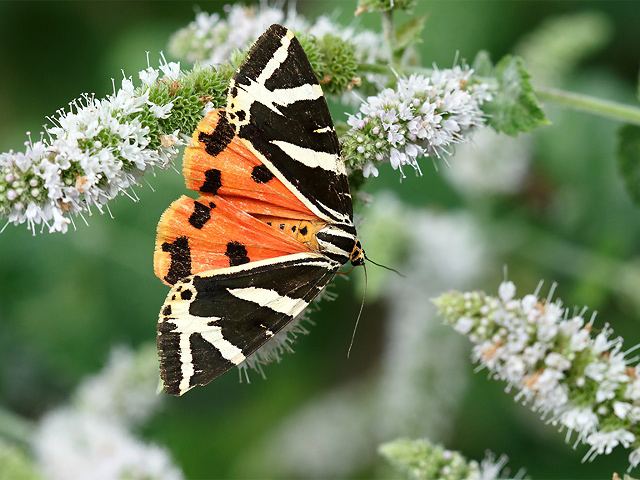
x=312, y=158
x=227, y=349
x=279, y=56
x=271, y=299
x=287, y=96
x=186, y=362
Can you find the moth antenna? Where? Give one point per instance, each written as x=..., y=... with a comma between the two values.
x=380, y=265
x=364, y=295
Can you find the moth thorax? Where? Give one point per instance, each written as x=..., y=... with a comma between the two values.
x=339, y=244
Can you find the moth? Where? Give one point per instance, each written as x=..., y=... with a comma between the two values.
x=271, y=227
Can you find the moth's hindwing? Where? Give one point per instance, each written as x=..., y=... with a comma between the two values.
x=276, y=105
x=212, y=232
x=212, y=321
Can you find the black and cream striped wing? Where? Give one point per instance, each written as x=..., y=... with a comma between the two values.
x=212, y=321
x=276, y=105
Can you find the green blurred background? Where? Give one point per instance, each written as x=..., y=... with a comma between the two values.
x=67, y=299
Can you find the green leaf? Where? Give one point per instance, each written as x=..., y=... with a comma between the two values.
x=408, y=33
x=385, y=5
x=629, y=159
x=482, y=65
x=514, y=107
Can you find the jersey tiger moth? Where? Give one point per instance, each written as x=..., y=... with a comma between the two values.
x=272, y=225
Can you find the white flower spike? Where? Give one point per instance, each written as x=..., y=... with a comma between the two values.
x=94, y=151
x=582, y=382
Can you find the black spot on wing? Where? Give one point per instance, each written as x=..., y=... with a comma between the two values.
x=237, y=254
x=261, y=174
x=212, y=181
x=180, y=259
x=186, y=295
x=216, y=141
x=166, y=310
x=200, y=216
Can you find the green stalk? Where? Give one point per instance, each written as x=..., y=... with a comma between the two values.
x=389, y=31
x=534, y=244
x=585, y=103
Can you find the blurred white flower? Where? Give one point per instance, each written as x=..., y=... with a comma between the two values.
x=490, y=163
x=92, y=436
x=70, y=444
x=212, y=40
x=125, y=389
x=423, y=375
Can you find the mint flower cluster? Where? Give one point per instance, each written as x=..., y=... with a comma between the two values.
x=213, y=40
x=574, y=377
x=422, y=116
x=97, y=149
x=423, y=460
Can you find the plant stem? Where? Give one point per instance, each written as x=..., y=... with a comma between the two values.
x=534, y=244
x=585, y=103
x=388, y=28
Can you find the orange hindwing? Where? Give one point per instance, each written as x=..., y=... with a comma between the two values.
x=210, y=233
